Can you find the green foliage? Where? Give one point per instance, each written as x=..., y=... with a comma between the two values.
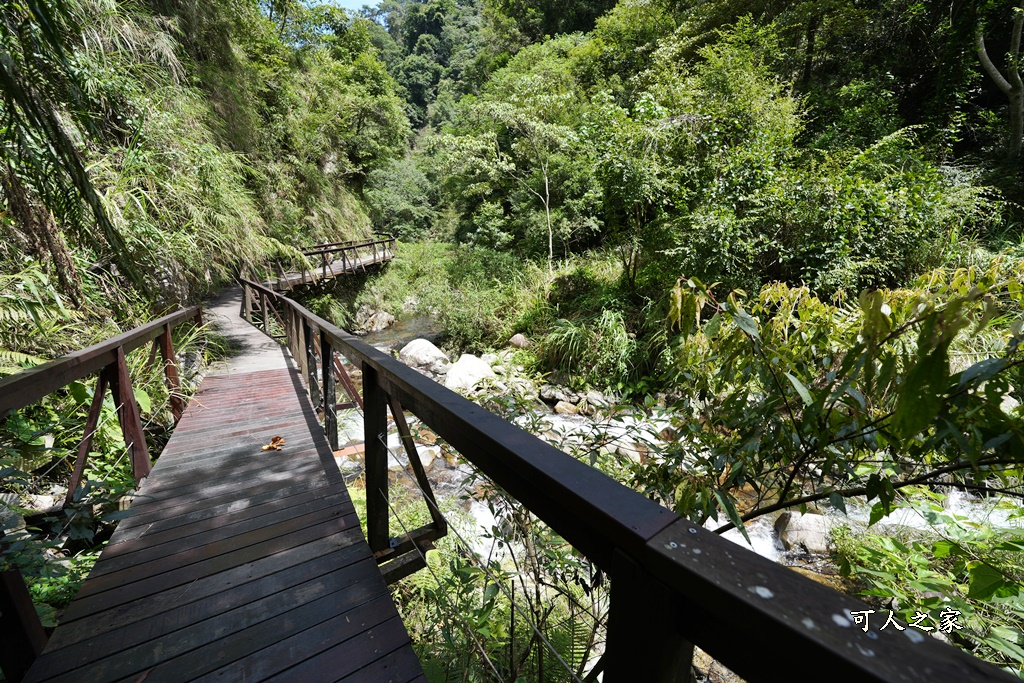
x=801, y=399
x=972, y=568
x=597, y=351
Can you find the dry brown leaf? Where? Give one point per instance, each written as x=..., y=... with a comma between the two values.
x=275, y=444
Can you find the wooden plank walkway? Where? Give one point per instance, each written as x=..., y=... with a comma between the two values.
x=237, y=564
x=346, y=265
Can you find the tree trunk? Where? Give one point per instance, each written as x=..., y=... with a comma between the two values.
x=812, y=32
x=1016, y=123
x=1011, y=83
x=43, y=234
x=547, y=215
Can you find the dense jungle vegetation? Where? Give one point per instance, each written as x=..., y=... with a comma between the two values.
x=796, y=222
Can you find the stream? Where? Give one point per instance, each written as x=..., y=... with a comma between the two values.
x=449, y=475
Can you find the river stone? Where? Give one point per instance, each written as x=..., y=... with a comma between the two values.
x=419, y=353
x=519, y=341
x=810, y=531
x=553, y=394
x=634, y=452
x=379, y=320
x=489, y=358
x=428, y=454
x=565, y=408
x=467, y=372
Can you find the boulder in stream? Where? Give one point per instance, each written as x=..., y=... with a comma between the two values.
x=811, y=531
x=519, y=341
x=420, y=353
x=467, y=372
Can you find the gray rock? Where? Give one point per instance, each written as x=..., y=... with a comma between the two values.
x=565, y=408
x=809, y=531
x=428, y=455
x=553, y=394
x=519, y=341
x=633, y=451
x=10, y=521
x=420, y=353
x=369, y=320
x=489, y=358
x=466, y=373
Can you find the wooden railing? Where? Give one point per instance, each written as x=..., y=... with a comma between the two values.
x=23, y=636
x=673, y=583
x=353, y=255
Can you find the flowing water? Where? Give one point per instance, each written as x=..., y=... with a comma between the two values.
x=403, y=331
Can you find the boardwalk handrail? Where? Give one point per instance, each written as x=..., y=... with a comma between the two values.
x=23, y=633
x=673, y=583
x=329, y=247
x=380, y=248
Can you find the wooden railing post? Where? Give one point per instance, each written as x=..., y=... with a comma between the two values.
x=171, y=373
x=86, y=443
x=263, y=313
x=128, y=416
x=301, y=357
x=23, y=635
x=312, y=383
x=330, y=391
x=247, y=303
x=643, y=642
x=375, y=426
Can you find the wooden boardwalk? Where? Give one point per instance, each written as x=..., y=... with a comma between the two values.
x=338, y=258
x=237, y=564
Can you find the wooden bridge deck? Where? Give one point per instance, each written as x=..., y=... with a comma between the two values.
x=337, y=260
x=237, y=564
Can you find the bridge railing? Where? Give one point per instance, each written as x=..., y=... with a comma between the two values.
x=673, y=583
x=353, y=254
x=23, y=634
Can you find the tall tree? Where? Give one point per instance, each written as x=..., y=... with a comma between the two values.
x=1011, y=83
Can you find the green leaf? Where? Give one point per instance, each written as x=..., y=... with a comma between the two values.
x=746, y=323
x=878, y=510
x=837, y=501
x=730, y=511
x=985, y=580
x=982, y=371
x=945, y=549
x=800, y=389
x=145, y=404
x=922, y=393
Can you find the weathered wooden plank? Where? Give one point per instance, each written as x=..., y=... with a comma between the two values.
x=400, y=666
x=362, y=649
x=288, y=537
x=185, y=513
x=227, y=631
x=356, y=602
x=196, y=563
x=270, y=574
x=155, y=536
x=201, y=540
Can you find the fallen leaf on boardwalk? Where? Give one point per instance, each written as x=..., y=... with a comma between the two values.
x=275, y=444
